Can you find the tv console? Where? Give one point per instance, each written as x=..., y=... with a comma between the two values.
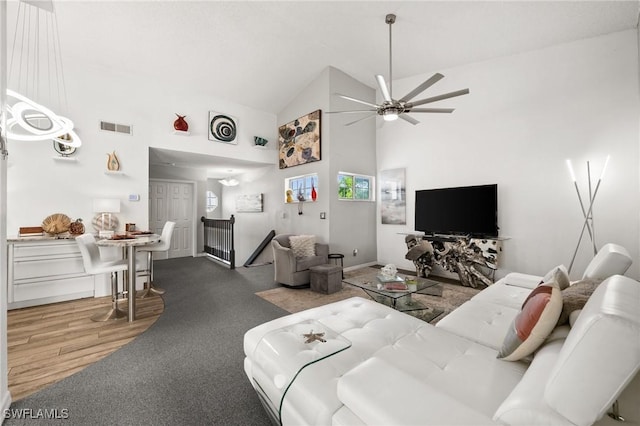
x=474, y=260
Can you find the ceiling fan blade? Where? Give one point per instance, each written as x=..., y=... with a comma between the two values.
x=361, y=119
x=408, y=118
x=439, y=97
x=349, y=98
x=446, y=110
x=351, y=112
x=383, y=88
x=424, y=86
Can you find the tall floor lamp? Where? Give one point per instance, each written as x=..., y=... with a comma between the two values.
x=587, y=213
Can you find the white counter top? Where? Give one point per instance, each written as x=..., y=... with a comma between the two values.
x=16, y=239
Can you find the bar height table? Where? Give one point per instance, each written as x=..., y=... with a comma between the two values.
x=130, y=244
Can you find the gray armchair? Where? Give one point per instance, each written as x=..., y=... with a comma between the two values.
x=291, y=271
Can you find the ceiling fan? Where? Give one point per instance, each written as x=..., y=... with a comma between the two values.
x=391, y=109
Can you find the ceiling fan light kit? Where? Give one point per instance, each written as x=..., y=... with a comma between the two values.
x=390, y=114
x=391, y=109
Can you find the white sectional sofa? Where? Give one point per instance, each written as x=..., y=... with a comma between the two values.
x=380, y=366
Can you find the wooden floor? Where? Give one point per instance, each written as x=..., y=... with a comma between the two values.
x=50, y=342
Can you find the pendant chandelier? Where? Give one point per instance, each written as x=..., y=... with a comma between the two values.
x=36, y=72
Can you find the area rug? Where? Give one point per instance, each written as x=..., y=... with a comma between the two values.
x=448, y=296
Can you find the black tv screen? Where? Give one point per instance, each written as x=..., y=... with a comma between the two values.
x=467, y=210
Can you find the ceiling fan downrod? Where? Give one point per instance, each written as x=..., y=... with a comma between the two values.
x=390, y=19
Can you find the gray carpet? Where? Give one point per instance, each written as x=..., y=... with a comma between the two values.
x=186, y=369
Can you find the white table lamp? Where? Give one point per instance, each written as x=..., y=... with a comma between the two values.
x=105, y=207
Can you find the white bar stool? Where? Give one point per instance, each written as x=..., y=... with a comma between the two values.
x=163, y=245
x=94, y=265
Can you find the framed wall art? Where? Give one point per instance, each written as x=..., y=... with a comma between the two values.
x=393, y=200
x=250, y=203
x=299, y=141
x=222, y=128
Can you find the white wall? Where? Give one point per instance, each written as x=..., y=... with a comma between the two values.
x=352, y=223
x=5, y=396
x=39, y=186
x=251, y=228
x=526, y=114
x=215, y=186
x=315, y=96
x=347, y=225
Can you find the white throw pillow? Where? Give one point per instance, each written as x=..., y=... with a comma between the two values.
x=303, y=245
x=558, y=274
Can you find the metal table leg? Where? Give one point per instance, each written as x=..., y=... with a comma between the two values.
x=131, y=260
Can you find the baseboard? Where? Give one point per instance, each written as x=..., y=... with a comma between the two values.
x=215, y=260
x=362, y=265
x=6, y=403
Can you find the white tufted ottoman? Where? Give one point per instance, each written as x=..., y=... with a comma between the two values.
x=367, y=325
x=283, y=353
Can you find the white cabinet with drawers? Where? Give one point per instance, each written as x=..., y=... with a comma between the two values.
x=45, y=271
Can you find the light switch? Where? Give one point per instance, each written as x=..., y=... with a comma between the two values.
x=134, y=197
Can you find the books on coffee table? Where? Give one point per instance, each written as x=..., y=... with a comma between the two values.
x=396, y=287
x=392, y=283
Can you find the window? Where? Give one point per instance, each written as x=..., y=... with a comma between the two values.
x=212, y=201
x=355, y=187
x=301, y=185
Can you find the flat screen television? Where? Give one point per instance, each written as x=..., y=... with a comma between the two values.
x=467, y=210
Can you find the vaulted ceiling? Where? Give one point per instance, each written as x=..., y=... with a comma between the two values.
x=261, y=53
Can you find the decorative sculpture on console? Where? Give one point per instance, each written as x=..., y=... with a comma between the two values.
x=420, y=253
x=462, y=256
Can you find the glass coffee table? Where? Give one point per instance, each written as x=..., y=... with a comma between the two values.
x=394, y=293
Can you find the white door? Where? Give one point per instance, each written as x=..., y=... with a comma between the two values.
x=172, y=201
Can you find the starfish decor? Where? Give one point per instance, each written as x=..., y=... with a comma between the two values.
x=312, y=337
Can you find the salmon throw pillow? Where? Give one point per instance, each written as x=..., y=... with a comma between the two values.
x=536, y=320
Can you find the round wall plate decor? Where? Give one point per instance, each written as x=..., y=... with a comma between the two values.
x=222, y=128
x=64, y=150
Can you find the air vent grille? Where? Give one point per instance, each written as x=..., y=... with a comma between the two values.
x=114, y=127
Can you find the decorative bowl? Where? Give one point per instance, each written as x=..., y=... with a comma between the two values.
x=257, y=140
